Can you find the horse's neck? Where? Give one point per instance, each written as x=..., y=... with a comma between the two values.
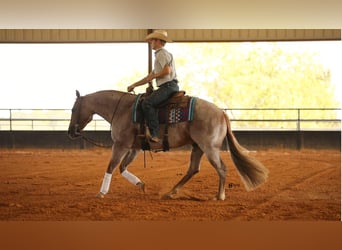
x=109, y=103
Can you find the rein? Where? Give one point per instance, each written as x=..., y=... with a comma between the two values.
x=108, y=146
x=116, y=108
x=98, y=144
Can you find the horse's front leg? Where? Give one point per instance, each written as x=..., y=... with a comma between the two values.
x=117, y=154
x=129, y=157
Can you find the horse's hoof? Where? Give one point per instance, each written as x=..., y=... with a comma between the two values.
x=218, y=198
x=141, y=185
x=100, y=195
x=167, y=196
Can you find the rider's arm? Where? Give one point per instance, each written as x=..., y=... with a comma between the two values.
x=143, y=81
x=165, y=71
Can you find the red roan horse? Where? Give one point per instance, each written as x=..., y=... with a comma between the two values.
x=206, y=133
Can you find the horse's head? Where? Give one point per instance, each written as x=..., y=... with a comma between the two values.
x=81, y=115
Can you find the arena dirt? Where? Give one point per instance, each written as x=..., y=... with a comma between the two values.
x=61, y=185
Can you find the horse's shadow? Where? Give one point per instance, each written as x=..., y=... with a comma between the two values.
x=183, y=197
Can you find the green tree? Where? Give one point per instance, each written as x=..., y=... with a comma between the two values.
x=257, y=75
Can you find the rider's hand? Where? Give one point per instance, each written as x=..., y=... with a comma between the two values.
x=130, y=88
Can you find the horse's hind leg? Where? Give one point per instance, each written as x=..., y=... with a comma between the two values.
x=216, y=161
x=196, y=155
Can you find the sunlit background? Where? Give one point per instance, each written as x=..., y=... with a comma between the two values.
x=232, y=75
x=47, y=75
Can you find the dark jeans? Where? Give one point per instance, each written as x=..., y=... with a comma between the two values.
x=158, y=96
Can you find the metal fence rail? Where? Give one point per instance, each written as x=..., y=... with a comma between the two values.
x=285, y=118
x=296, y=119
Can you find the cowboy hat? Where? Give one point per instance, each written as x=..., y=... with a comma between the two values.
x=158, y=34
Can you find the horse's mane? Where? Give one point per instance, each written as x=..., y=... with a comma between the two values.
x=111, y=94
x=110, y=91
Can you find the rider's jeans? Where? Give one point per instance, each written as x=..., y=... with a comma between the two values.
x=157, y=97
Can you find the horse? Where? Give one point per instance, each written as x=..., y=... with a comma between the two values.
x=205, y=133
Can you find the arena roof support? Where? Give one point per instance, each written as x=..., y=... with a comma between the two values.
x=178, y=35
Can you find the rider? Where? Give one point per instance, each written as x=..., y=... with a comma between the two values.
x=165, y=74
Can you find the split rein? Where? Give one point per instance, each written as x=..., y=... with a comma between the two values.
x=95, y=143
x=98, y=144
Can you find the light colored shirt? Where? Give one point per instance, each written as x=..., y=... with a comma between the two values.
x=162, y=58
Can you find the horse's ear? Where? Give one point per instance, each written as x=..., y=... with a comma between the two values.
x=78, y=94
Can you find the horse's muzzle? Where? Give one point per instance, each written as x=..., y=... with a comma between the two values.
x=74, y=132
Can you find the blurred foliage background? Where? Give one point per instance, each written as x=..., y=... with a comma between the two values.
x=276, y=82
x=249, y=77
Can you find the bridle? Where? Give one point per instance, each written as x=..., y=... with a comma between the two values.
x=86, y=138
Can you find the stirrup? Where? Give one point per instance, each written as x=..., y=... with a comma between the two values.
x=154, y=139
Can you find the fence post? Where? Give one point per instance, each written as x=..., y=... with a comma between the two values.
x=298, y=119
x=10, y=119
x=299, y=132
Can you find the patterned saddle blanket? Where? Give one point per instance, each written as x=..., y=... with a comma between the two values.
x=179, y=108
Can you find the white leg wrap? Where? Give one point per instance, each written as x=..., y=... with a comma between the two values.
x=106, y=183
x=130, y=177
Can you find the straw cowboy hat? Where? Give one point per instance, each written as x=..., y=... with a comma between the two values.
x=158, y=34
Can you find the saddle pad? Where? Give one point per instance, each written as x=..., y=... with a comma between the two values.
x=170, y=114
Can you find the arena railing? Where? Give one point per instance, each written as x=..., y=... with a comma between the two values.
x=295, y=119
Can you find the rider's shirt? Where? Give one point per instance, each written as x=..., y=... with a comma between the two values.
x=162, y=58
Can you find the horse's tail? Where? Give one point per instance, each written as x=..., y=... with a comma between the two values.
x=252, y=172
